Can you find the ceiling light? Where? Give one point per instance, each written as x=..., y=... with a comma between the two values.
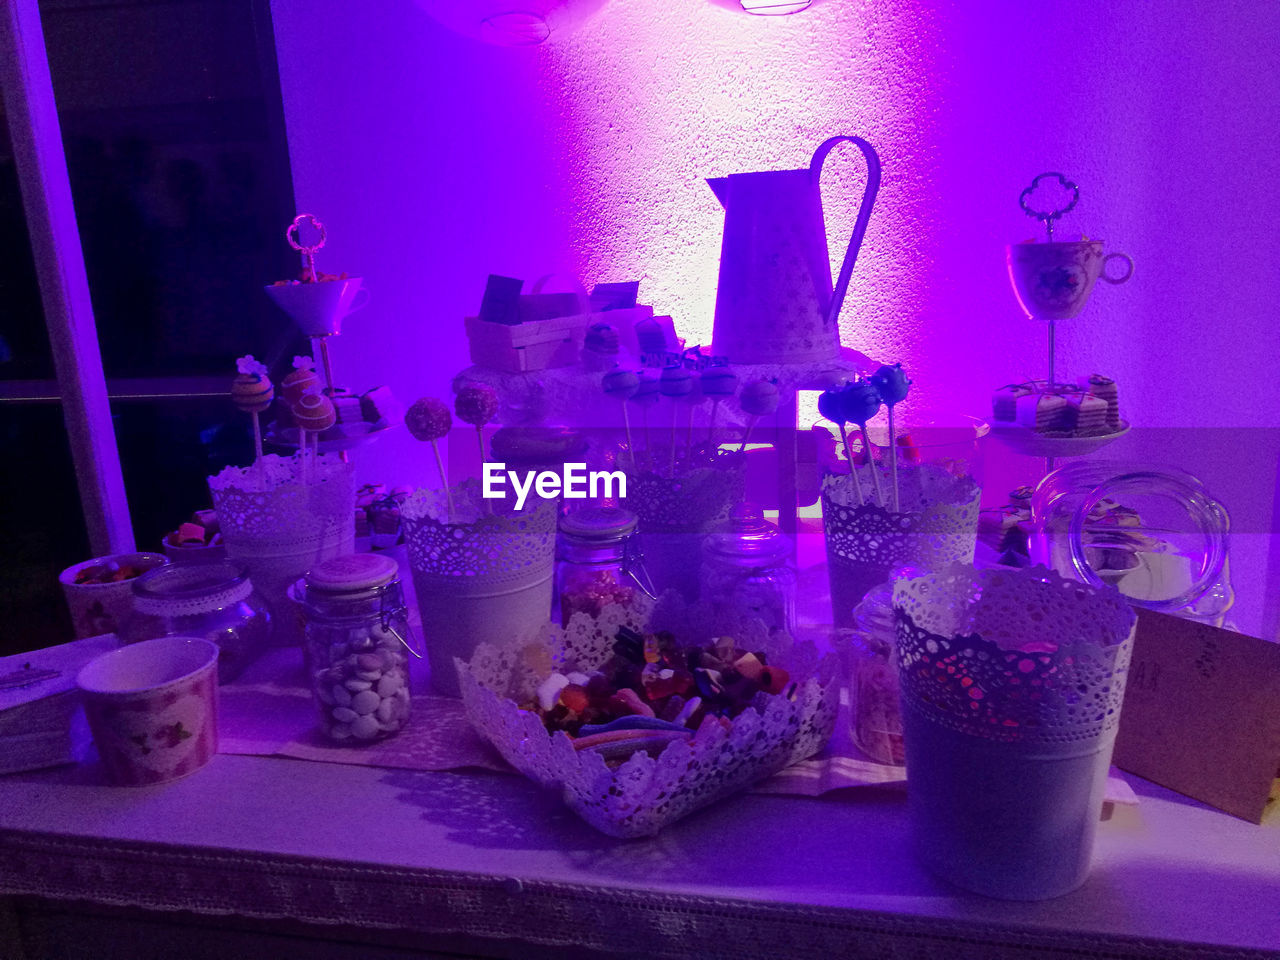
x=774, y=8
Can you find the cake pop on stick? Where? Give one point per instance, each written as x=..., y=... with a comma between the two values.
x=252, y=392
x=892, y=385
x=622, y=385
x=718, y=381
x=646, y=395
x=759, y=399
x=427, y=419
x=831, y=406
x=676, y=382
x=860, y=401
x=302, y=381
x=314, y=414
x=477, y=404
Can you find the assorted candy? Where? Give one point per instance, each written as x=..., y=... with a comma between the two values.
x=652, y=691
x=202, y=530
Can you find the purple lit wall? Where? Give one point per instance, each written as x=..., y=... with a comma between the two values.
x=435, y=160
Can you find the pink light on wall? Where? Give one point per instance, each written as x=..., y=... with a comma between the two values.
x=655, y=97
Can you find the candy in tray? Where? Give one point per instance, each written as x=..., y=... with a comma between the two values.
x=648, y=712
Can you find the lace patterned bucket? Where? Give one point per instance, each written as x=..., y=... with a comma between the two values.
x=279, y=527
x=482, y=574
x=646, y=793
x=938, y=524
x=676, y=510
x=1012, y=683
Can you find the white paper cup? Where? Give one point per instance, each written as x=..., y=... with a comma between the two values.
x=153, y=708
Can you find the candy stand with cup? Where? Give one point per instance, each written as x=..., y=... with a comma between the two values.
x=1052, y=281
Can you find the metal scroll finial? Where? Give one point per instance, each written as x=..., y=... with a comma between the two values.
x=294, y=235
x=1054, y=211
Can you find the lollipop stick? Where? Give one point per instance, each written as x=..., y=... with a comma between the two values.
x=302, y=456
x=480, y=441
x=751, y=424
x=871, y=465
x=257, y=436
x=675, y=426
x=711, y=426
x=893, y=458
x=631, y=447
x=853, y=467
x=648, y=436
x=444, y=480
x=689, y=435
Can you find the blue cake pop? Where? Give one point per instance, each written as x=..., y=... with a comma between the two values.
x=831, y=406
x=891, y=383
x=859, y=402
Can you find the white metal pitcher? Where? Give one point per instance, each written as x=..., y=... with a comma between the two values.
x=774, y=300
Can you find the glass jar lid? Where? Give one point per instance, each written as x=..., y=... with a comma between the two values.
x=352, y=575
x=747, y=538
x=184, y=589
x=598, y=524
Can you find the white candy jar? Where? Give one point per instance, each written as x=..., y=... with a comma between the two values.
x=355, y=630
x=746, y=569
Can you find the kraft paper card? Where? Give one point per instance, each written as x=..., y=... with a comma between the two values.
x=1202, y=713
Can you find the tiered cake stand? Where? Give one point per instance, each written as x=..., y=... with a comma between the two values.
x=1052, y=282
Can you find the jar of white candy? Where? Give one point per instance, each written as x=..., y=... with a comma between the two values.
x=356, y=648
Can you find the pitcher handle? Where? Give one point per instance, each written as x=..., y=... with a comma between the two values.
x=864, y=213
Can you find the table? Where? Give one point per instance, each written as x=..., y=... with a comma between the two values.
x=365, y=862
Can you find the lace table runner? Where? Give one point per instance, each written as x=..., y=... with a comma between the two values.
x=272, y=714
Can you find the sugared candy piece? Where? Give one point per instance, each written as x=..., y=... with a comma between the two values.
x=314, y=413
x=620, y=383
x=549, y=690
x=675, y=381
x=428, y=419
x=859, y=402
x=301, y=382
x=891, y=383
x=719, y=381
x=759, y=398
x=476, y=404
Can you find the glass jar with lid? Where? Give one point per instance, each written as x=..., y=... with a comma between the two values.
x=598, y=561
x=211, y=600
x=355, y=634
x=746, y=568
x=1153, y=532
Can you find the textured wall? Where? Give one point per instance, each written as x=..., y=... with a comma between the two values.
x=435, y=160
